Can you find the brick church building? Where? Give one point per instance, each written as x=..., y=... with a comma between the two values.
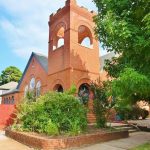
x=73, y=56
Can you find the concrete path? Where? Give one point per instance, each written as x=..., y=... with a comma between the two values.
x=134, y=140
x=9, y=144
x=144, y=123
x=122, y=144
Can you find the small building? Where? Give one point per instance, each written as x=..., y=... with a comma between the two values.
x=7, y=88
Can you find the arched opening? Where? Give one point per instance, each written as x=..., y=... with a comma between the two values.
x=58, y=88
x=86, y=42
x=58, y=40
x=85, y=36
x=38, y=89
x=84, y=93
x=32, y=84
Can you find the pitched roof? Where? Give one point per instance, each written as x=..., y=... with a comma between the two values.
x=8, y=86
x=43, y=61
x=108, y=56
x=11, y=91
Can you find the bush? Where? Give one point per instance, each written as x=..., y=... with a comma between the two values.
x=51, y=128
x=132, y=113
x=102, y=105
x=53, y=114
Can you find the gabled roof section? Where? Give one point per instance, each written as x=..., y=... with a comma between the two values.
x=8, y=86
x=12, y=91
x=42, y=60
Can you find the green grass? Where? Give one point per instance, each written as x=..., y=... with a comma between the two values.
x=145, y=146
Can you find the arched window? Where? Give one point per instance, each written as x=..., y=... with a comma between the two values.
x=32, y=84
x=58, y=40
x=85, y=36
x=84, y=93
x=26, y=89
x=58, y=88
x=38, y=88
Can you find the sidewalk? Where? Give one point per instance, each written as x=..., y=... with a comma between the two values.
x=135, y=139
x=9, y=144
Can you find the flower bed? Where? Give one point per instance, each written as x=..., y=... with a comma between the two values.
x=63, y=142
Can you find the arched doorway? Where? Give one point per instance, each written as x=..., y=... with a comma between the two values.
x=58, y=88
x=84, y=93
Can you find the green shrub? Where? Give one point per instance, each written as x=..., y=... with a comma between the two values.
x=53, y=113
x=102, y=105
x=31, y=96
x=132, y=113
x=51, y=128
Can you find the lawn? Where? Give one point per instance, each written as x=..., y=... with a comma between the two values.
x=145, y=146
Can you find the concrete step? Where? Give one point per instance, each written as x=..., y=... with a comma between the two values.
x=133, y=130
x=130, y=128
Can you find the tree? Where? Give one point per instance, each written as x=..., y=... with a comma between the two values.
x=130, y=86
x=123, y=26
x=10, y=74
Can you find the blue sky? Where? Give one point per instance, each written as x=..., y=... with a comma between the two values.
x=24, y=28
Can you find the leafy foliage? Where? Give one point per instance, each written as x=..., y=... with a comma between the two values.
x=133, y=112
x=123, y=26
x=131, y=87
x=53, y=114
x=31, y=96
x=102, y=105
x=10, y=74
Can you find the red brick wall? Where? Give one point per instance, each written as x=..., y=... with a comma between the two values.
x=6, y=115
x=52, y=143
x=9, y=97
x=34, y=70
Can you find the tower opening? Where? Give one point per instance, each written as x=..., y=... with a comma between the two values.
x=59, y=38
x=85, y=36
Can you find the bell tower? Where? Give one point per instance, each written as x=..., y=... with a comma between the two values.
x=73, y=53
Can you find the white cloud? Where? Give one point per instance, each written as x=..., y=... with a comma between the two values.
x=26, y=28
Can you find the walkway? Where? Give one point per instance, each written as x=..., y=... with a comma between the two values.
x=122, y=144
x=134, y=140
x=9, y=144
x=144, y=123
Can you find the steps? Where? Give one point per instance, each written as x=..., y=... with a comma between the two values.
x=91, y=118
x=127, y=127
